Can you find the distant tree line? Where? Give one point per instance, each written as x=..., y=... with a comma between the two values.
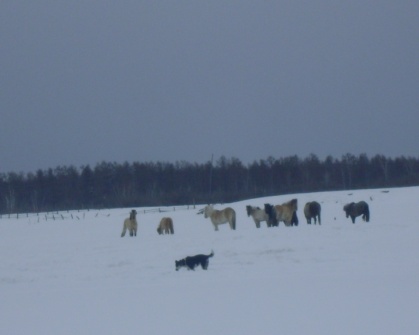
x=111, y=185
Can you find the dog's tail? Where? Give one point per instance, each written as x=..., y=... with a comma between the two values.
x=211, y=254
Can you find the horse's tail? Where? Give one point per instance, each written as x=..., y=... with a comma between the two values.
x=367, y=214
x=124, y=230
x=248, y=210
x=320, y=212
x=211, y=254
x=136, y=227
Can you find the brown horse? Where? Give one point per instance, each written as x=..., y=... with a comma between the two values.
x=312, y=210
x=258, y=215
x=356, y=209
x=166, y=226
x=287, y=212
x=130, y=224
x=221, y=216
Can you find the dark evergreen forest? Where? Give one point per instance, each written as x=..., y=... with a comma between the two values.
x=112, y=185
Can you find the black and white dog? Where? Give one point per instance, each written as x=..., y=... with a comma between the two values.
x=191, y=261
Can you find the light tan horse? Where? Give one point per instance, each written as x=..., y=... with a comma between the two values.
x=130, y=224
x=166, y=226
x=285, y=212
x=221, y=216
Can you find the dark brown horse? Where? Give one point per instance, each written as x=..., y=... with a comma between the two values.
x=286, y=212
x=312, y=210
x=356, y=209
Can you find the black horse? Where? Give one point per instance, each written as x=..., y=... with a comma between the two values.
x=356, y=209
x=312, y=210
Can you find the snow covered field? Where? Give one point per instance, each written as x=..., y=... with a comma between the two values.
x=76, y=275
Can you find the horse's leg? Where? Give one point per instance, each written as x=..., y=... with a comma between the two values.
x=277, y=219
x=294, y=219
x=353, y=219
x=257, y=223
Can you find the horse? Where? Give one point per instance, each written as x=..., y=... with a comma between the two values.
x=221, y=216
x=258, y=215
x=287, y=212
x=166, y=226
x=312, y=210
x=356, y=209
x=130, y=224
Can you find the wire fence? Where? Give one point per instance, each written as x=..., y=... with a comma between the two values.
x=80, y=215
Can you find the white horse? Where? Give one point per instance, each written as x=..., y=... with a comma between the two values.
x=219, y=217
x=130, y=224
x=258, y=215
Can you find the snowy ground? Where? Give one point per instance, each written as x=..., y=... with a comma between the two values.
x=76, y=275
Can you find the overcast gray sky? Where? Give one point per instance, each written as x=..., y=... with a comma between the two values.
x=88, y=81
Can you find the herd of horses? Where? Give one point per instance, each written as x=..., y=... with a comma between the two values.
x=271, y=214
x=287, y=213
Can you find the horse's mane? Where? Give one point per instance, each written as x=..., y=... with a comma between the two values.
x=292, y=203
x=250, y=209
x=132, y=214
